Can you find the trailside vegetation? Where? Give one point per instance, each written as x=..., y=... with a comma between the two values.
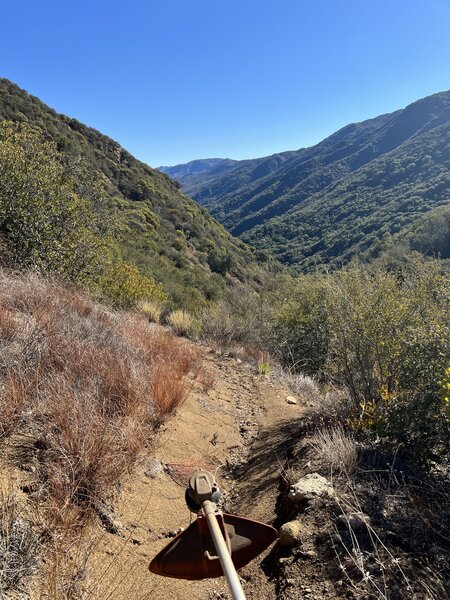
x=381, y=335
x=83, y=392
x=49, y=223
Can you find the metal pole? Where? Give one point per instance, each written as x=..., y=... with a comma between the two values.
x=228, y=568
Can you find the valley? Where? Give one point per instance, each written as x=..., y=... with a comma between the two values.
x=343, y=197
x=305, y=362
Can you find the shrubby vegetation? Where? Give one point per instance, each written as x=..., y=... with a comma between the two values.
x=343, y=197
x=168, y=237
x=46, y=225
x=388, y=346
x=382, y=335
x=83, y=390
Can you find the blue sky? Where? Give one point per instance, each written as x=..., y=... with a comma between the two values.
x=174, y=80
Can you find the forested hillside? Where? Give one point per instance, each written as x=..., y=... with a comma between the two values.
x=342, y=197
x=167, y=235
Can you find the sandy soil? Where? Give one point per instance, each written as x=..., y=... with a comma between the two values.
x=222, y=428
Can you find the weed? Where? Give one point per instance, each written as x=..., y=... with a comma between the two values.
x=152, y=310
x=337, y=449
x=264, y=369
x=183, y=323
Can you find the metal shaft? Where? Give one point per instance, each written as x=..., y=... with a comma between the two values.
x=228, y=568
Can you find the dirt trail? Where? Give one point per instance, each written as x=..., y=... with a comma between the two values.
x=235, y=425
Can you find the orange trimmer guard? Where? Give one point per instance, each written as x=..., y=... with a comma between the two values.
x=191, y=554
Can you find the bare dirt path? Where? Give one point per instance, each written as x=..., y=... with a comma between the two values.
x=235, y=425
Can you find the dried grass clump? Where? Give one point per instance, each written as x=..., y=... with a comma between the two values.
x=152, y=310
x=19, y=544
x=337, y=449
x=301, y=385
x=87, y=387
x=182, y=323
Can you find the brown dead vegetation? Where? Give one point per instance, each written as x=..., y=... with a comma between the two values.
x=83, y=391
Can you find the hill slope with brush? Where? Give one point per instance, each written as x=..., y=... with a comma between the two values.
x=162, y=231
x=325, y=204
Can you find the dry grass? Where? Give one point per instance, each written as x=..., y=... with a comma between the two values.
x=82, y=391
x=152, y=310
x=182, y=323
x=303, y=386
x=337, y=449
x=19, y=541
x=204, y=377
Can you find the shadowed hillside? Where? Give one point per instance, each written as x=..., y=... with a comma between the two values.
x=327, y=203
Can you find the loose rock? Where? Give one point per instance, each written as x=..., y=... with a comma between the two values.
x=309, y=487
x=155, y=468
x=290, y=534
x=291, y=400
x=354, y=520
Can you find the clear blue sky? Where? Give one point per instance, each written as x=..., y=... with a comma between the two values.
x=174, y=80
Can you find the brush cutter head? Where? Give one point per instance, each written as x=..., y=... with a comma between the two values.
x=191, y=555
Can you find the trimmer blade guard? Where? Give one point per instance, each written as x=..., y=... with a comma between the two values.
x=191, y=555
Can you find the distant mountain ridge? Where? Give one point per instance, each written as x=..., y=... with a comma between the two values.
x=327, y=203
x=195, y=173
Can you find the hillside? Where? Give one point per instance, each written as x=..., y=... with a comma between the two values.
x=164, y=232
x=94, y=471
x=325, y=204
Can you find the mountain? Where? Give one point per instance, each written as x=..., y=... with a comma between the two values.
x=193, y=175
x=327, y=203
x=165, y=233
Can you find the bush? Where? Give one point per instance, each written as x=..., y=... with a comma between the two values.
x=47, y=225
x=183, y=323
x=388, y=346
x=124, y=286
x=299, y=327
x=382, y=335
x=152, y=310
x=219, y=261
x=225, y=327
x=45, y=222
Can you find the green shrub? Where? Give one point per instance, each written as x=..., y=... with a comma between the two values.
x=45, y=222
x=53, y=219
x=124, y=286
x=219, y=260
x=381, y=335
x=299, y=328
x=388, y=346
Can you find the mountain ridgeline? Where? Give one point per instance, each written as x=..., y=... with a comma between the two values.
x=166, y=234
x=368, y=186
